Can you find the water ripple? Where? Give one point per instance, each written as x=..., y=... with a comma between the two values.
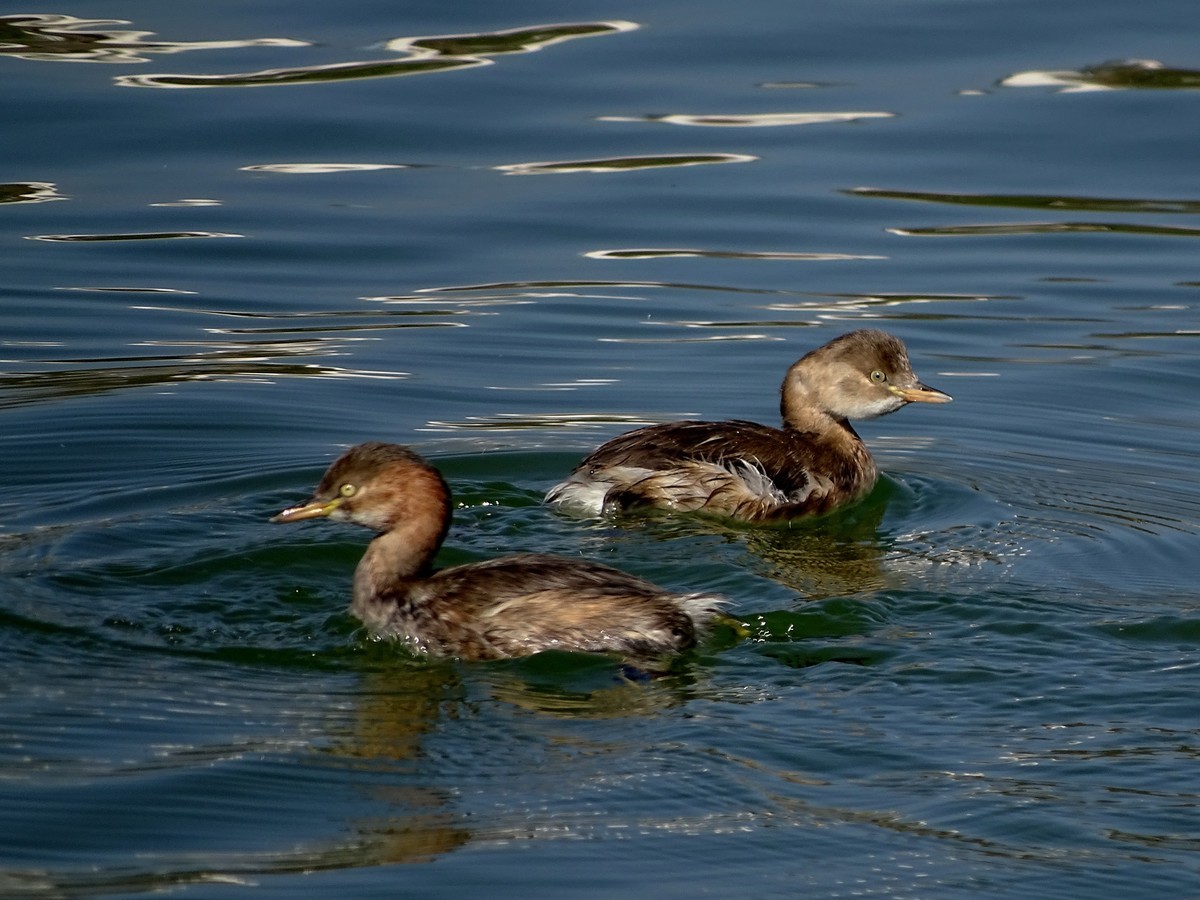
x=29, y=192
x=513, y=40
x=760, y=120
x=648, y=253
x=210, y=361
x=518, y=293
x=132, y=236
x=853, y=302
x=691, y=340
x=795, y=85
x=69, y=39
x=385, y=68
x=319, y=168
x=1045, y=228
x=423, y=55
x=1136, y=74
x=288, y=316
x=189, y=202
x=1037, y=201
x=524, y=421
x=623, y=163
x=555, y=285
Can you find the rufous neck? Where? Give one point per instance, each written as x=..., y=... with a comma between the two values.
x=396, y=557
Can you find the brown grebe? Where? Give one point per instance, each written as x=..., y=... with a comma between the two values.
x=754, y=472
x=507, y=607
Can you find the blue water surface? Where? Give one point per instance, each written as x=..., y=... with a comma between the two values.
x=238, y=238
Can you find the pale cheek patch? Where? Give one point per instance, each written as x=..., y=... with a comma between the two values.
x=879, y=407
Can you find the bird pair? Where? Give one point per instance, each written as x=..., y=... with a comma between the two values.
x=524, y=604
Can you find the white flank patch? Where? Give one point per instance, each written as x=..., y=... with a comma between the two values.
x=580, y=496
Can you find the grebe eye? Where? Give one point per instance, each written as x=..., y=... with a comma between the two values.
x=347, y=490
x=878, y=376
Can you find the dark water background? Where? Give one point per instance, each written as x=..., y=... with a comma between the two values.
x=236, y=238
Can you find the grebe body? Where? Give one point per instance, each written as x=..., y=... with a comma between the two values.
x=507, y=607
x=743, y=470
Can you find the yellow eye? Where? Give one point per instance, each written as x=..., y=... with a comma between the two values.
x=878, y=376
x=347, y=490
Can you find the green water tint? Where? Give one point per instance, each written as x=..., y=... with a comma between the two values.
x=281, y=598
x=979, y=682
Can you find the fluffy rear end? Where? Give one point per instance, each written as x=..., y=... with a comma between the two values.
x=737, y=488
x=579, y=494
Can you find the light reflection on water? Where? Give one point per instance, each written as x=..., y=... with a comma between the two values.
x=423, y=55
x=760, y=120
x=516, y=421
x=647, y=253
x=992, y=655
x=623, y=163
x=57, y=38
x=513, y=40
x=320, y=168
x=1033, y=228
x=1135, y=74
x=140, y=236
x=229, y=364
x=330, y=72
x=552, y=285
x=1034, y=201
x=30, y=192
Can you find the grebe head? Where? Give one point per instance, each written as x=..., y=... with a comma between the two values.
x=377, y=485
x=859, y=375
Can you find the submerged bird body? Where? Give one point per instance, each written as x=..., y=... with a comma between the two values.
x=744, y=470
x=512, y=606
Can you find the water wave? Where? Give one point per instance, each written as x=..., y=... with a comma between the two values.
x=422, y=56
x=326, y=168
x=30, y=192
x=652, y=253
x=1031, y=228
x=56, y=38
x=1128, y=74
x=1037, y=201
x=130, y=236
x=756, y=120
x=623, y=163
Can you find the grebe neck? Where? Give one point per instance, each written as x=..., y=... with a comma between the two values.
x=404, y=553
x=803, y=414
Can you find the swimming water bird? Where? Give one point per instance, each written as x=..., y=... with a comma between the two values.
x=754, y=472
x=511, y=606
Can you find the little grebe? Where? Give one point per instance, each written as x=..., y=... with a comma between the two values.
x=755, y=472
x=513, y=606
